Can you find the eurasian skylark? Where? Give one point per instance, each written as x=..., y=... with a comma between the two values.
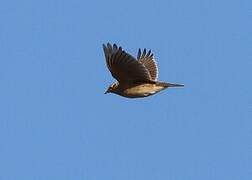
x=135, y=77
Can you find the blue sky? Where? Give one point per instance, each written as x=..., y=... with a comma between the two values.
x=56, y=123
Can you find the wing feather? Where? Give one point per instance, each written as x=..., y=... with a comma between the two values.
x=123, y=66
x=149, y=62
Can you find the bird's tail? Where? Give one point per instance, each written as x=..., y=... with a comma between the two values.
x=169, y=84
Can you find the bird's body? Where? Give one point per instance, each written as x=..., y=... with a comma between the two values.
x=138, y=90
x=142, y=90
x=136, y=78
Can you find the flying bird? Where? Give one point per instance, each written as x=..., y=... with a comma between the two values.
x=136, y=77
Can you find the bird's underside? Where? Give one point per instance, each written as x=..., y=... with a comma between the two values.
x=135, y=77
x=139, y=90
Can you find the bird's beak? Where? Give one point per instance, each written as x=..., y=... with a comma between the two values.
x=106, y=92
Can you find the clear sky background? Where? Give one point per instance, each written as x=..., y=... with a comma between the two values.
x=56, y=123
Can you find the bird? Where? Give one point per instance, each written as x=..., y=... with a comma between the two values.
x=136, y=77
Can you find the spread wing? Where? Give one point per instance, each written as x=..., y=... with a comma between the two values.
x=149, y=62
x=124, y=67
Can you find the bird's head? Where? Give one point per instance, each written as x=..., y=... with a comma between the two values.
x=112, y=88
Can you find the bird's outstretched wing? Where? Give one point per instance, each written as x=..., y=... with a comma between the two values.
x=148, y=60
x=123, y=66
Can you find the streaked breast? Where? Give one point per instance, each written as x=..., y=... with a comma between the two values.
x=143, y=89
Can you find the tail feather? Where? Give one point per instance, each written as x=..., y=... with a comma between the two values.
x=169, y=84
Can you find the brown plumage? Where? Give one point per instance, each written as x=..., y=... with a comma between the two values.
x=135, y=77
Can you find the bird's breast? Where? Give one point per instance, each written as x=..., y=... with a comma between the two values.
x=141, y=90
